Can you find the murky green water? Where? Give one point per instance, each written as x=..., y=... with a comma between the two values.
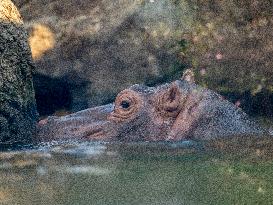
x=238, y=171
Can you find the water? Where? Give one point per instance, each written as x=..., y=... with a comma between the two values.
x=234, y=171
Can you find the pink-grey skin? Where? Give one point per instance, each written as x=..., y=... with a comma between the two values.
x=170, y=112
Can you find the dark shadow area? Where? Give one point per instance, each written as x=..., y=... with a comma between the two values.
x=260, y=104
x=51, y=94
x=55, y=94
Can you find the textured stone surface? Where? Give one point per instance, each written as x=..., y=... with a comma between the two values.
x=102, y=46
x=17, y=103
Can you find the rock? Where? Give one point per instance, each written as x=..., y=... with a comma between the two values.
x=101, y=47
x=17, y=103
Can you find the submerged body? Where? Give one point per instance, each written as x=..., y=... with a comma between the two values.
x=177, y=111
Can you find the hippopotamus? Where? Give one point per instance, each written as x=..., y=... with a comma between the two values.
x=180, y=110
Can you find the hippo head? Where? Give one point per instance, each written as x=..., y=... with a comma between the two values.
x=174, y=111
x=139, y=113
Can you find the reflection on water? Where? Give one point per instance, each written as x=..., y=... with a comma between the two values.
x=234, y=171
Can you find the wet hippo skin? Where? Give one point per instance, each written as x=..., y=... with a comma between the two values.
x=175, y=111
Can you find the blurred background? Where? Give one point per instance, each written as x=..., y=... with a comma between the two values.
x=86, y=51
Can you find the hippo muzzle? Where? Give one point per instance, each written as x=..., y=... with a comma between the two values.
x=87, y=124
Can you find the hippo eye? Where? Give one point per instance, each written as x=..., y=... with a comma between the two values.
x=125, y=104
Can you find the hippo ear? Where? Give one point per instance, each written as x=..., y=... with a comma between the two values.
x=188, y=76
x=170, y=103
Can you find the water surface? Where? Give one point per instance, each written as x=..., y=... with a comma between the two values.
x=236, y=171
